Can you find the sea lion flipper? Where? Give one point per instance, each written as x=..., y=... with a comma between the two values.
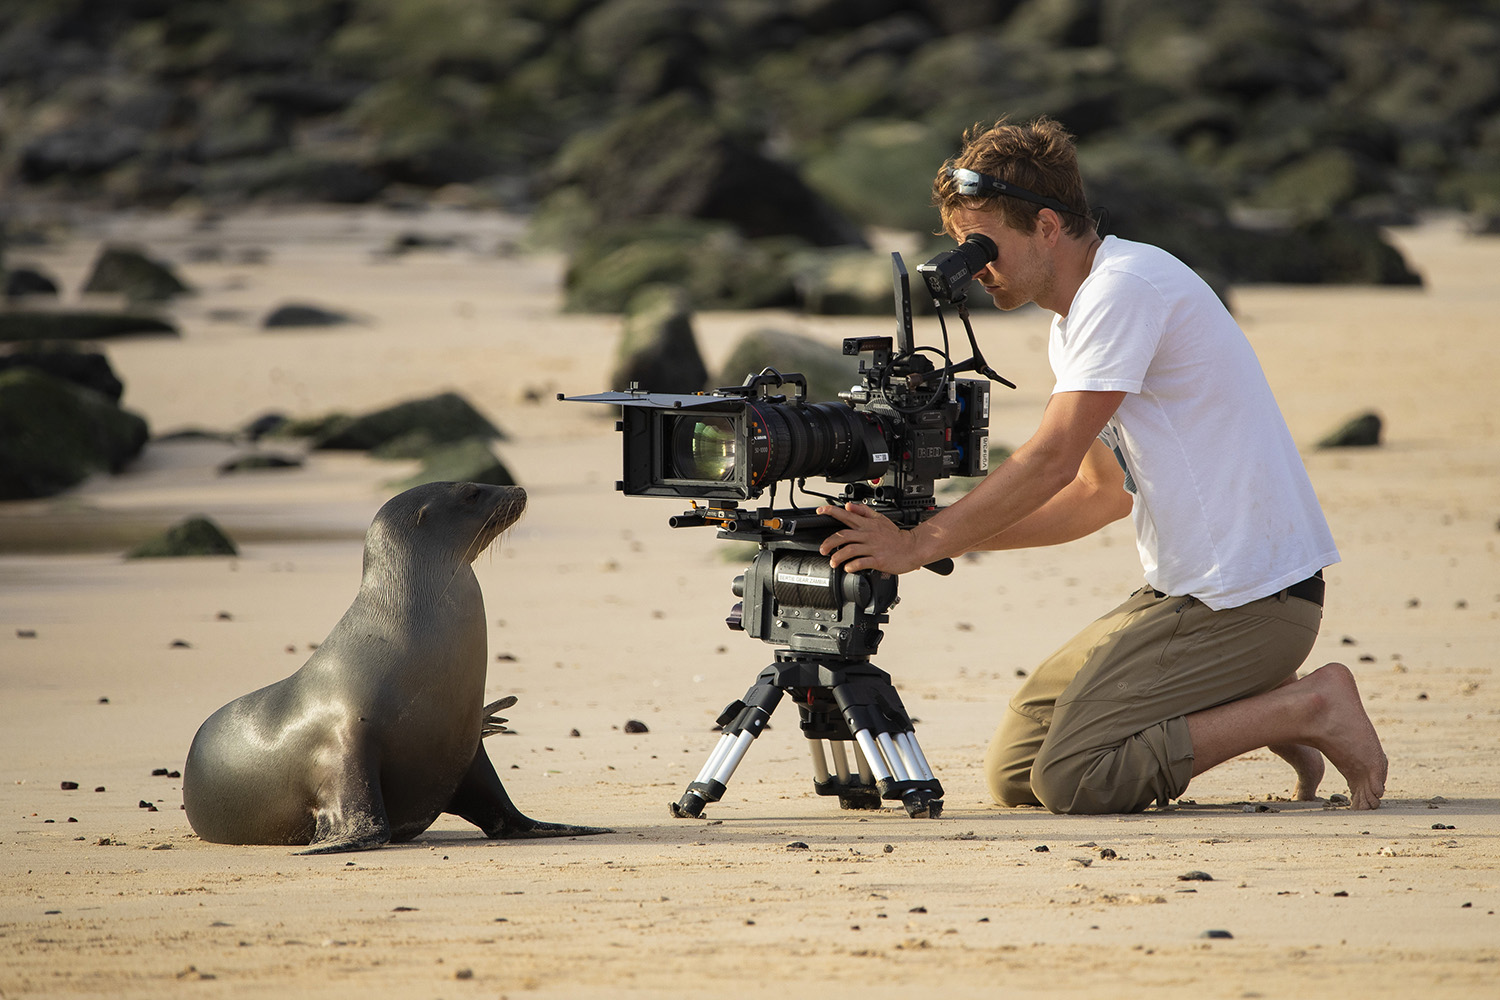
x=482, y=800
x=492, y=723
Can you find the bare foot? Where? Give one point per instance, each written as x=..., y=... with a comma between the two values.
x=1347, y=736
x=1308, y=763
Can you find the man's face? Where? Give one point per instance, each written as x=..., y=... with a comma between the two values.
x=1021, y=272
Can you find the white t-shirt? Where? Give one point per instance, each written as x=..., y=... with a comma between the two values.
x=1224, y=510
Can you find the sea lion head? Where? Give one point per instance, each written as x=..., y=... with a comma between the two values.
x=446, y=521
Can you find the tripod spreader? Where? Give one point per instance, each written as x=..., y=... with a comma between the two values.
x=846, y=702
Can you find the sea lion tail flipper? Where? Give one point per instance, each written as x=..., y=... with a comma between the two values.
x=492, y=723
x=482, y=800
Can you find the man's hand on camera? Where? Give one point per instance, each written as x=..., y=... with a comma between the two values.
x=869, y=540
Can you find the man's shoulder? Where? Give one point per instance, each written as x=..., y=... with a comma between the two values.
x=1132, y=257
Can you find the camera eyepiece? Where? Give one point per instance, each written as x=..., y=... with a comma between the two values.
x=948, y=274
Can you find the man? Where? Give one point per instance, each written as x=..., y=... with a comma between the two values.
x=1161, y=411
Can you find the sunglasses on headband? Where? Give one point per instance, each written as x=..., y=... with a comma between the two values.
x=972, y=182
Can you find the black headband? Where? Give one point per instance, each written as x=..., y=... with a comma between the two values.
x=971, y=183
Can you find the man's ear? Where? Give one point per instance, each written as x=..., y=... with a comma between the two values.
x=1049, y=224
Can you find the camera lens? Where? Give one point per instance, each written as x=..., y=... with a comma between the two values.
x=704, y=448
x=820, y=439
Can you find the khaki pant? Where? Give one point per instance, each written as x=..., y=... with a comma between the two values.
x=1100, y=726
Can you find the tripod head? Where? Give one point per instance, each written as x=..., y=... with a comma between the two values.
x=790, y=595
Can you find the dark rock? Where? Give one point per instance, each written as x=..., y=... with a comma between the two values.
x=22, y=325
x=89, y=369
x=657, y=348
x=300, y=314
x=259, y=460
x=672, y=159
x=719, y=268
x=83, y=150
x=316, y=428
x=54, y=433
x=195, y=536
x=23, y=281
x=128, y=271
x=261, y=426
x=636, y=726
x=467, y=461
x=447, y=417
x=292, y=176
x=1362, y=431
x=829, y=371
x=845, y=282
x=879, y=173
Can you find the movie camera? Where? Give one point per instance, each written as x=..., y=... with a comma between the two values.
x=908, y=423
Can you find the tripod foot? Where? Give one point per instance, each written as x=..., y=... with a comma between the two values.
x=921, y=805
x=690, y=806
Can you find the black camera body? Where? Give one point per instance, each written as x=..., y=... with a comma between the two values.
x=890, y=439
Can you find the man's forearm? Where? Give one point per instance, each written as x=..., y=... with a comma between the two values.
x=1079, y=509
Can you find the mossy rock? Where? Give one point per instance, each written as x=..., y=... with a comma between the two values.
x=128, y=271
x=64, y=360
x=443, y=418
x=829, y=371
x=54, y=434
x=194, y=536
x=849, y=283
x=657, y=348
x=719, y=268
x=467, y=461
x=27, y=324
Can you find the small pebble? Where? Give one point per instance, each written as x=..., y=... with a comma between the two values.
x=464, y=974
x=636, y=726
x=1195, y=876
x=797, y=845
x=1041, y=849
x=181, y=644
x=25, y=633
x=891, y=848
x=68, y=786
x=1216, y=934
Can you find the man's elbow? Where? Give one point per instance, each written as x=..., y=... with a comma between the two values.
x=1117, y=503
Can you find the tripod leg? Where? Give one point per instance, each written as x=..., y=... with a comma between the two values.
x=743, y=721
x=884, y=735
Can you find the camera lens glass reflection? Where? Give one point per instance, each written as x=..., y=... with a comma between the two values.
x=703, y=448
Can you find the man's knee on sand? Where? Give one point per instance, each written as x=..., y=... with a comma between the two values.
x=1007, y=761
x=1123, y=778
x=1011, y=786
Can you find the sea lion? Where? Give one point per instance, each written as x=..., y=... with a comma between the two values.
x=380, y=730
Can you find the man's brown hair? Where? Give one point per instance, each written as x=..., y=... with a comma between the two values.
x=1039, y=156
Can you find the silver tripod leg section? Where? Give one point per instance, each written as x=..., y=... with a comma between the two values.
x=893, y=757
x=841, y=760
x=721, y=749
x=873, y=757
x=731, y=760
x=819, y=762
x=916, y=760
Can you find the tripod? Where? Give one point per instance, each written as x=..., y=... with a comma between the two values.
x=828, y=620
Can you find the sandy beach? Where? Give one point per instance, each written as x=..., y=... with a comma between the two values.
x=600, y=614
